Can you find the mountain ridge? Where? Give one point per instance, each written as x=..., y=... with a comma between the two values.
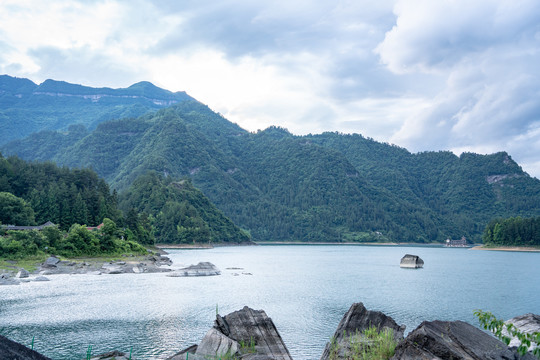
x=284, y=187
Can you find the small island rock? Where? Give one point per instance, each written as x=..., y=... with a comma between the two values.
x=201, y=269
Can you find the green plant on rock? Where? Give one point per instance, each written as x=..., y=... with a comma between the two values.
x=497, y=326
x=370, y=344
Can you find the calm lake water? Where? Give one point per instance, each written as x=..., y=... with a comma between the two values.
x=304, y=289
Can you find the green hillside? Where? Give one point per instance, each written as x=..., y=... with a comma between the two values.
x=26, y=107
x=281, y=187
x=328, y=187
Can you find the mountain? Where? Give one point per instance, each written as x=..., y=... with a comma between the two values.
x=26, y=107
x=278, y=186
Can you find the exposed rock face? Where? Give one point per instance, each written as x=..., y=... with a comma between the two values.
x=457, y=340
x=14, y=351
x=201, y=269
x=527, y=324
x=354, y=322
x=248, y=334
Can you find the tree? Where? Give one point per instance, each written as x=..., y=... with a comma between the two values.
x=15, y=211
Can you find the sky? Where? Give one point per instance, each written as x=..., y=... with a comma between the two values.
x=455, y=75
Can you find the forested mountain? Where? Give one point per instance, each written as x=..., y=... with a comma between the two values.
x=46, y=192
x=327, y=187
x=26, y=107
x=181, y=213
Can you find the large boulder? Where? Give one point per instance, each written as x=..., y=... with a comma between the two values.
x=245, y=334
x=51, y=262
x=14, y=351
x=216, y=344
x=456, y=340
x=353, y=324
x=527, y=324
x=254, y=331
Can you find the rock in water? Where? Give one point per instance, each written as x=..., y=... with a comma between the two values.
x=354, y=322
x=411, y=262
x=201, y=269
x=248, y=326
x=112, y=355
x=5, y=279
x=527, y=324
x=14, y=351
x=457, y=340
x=247, y=334
x=22, y=274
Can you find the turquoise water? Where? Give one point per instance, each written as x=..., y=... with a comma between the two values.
x=304, y=289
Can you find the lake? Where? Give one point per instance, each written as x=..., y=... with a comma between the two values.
x=304, y=289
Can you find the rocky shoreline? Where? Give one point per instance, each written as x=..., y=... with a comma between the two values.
x=153, y=263
x=250, y=334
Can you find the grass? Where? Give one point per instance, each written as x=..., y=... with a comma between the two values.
x=30, y=263
x=370, y=344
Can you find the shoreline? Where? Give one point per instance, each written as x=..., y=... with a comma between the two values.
x=507, y=248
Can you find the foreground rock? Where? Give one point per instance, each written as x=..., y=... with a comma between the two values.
x=527, y=324
x=456, y=340
x=352, y=325
x=14, y=351
x=246, y=334
x=201, y=269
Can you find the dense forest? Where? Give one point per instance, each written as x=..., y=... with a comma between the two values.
x=35, y=193
x=281, y=187
x=515, y=231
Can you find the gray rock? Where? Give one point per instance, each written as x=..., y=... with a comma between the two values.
x=353, y=324
x=457, y=340
x=411, y=262
x=527, y=324
x=14, y=351
x=41, y=278
x=51, y=262
x=111, y=355
x=112, y=269
x=22, y=274
x=201, y=269
x=5, y=279
x=248, y=326
x=216, y=344
x=188, y=353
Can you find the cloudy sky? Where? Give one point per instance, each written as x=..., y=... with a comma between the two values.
x=454, y=75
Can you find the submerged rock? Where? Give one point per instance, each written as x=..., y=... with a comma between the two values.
x=457, y=340
x=352, y=325
x=112, y=355
x=6, y=279
x=12, y=350
x=527, y=324
x=41, y=278
x=201, y=269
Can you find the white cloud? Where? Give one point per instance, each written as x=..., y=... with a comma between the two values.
x=427, y=75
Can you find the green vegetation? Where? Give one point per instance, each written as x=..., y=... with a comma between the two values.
x=78, y=241
x=497, y=326
x=39, y=192
x=179, y=213
x=371, y=344
x=514, y=231
x=330, y=187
